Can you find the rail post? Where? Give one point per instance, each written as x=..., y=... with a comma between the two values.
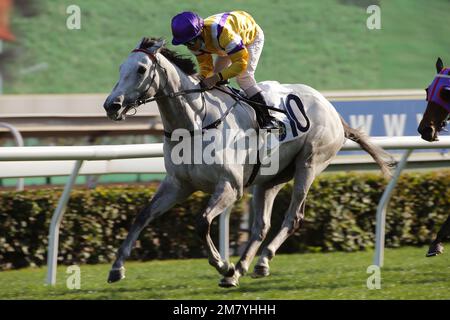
x=378, y=258
x=53, y=237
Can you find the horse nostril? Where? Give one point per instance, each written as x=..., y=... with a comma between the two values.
x=118, y=100
x=113, y=105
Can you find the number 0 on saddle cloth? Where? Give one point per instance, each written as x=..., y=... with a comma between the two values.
x=294, y=123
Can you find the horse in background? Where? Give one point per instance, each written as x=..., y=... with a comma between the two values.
x=434, y=121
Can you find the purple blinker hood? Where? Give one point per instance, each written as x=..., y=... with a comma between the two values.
x=440, y=83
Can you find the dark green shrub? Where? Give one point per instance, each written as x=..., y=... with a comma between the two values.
x=341, y=211
x=95, y=224
x=340, y=215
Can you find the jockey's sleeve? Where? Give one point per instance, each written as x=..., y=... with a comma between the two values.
x=205, y=62
x=239, y=61
x=234, y=47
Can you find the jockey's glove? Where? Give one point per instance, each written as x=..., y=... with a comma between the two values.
x=199, y=77
x=211, y=81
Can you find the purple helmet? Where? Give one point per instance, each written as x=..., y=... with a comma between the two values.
x=185, y=27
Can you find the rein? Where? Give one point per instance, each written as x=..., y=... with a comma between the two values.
x=236, y=96
x=231, y=92
x=172, y=95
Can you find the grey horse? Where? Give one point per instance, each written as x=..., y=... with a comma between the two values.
x=153, y=72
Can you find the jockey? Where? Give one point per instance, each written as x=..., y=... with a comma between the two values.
x=237, y=41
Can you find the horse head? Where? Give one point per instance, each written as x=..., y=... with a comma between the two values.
x=138, y=80
x=438, y=107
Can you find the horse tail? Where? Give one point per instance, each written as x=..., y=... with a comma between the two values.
x=381, y=157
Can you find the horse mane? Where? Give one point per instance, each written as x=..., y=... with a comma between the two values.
x=181, y=61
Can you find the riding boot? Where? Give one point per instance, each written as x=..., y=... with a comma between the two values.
x=265, y=120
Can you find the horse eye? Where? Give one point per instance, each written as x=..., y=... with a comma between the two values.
x=142, y=70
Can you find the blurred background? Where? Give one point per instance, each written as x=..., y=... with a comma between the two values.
x=325, y=44
x=59, y=60
x=54, y=78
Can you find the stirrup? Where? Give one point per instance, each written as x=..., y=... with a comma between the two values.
x=269, y=124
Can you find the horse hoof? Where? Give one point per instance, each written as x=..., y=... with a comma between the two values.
x=116, y=275
x=260, y=272
x=229, y=282
x=435, y=250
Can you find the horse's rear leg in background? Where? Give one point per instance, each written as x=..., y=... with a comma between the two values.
x=224, y=196
x=169, y=193
x=304, y=177
x=263, y=198
x=436, y=246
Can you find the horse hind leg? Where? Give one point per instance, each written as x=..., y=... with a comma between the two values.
x=311, y=161
x=436, y=246
x=293, y=220
x=263, y=198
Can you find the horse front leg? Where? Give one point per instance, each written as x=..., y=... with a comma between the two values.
x=224, y=196
x=436, y=246
x=169, y=193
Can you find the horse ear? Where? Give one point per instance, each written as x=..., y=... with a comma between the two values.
x=439, y=65
x=157, y=46
x=143, y=40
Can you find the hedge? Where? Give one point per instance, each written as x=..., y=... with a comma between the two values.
x=341, y=211
x=340, y=216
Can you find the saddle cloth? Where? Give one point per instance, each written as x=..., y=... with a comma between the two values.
x=293, y=122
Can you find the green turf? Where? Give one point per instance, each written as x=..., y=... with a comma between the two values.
x=407, y=274
x=321, y=43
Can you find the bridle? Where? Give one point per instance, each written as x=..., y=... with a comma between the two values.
x=440, y=81
x=236, y=96
x=143, y=100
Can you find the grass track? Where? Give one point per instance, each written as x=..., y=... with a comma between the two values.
x=407, y=275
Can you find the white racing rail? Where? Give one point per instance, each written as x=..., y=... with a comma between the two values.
x=103, y=154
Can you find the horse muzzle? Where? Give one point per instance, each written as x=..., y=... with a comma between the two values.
x=113, y=107
x=428, y=134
